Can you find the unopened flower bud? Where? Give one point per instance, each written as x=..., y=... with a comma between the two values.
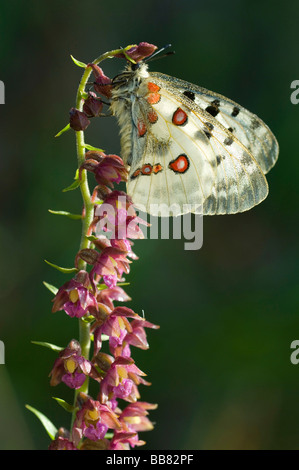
x=102, y=84
x=140, y=52
x=92, y=106
x=78, y=120
x=88, y=255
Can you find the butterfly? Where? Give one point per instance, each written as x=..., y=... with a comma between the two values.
x=189, y=148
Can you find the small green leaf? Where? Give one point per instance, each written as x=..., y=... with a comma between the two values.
x=88, y=319
x=62, y=270
x=53, y=347
x=77, y=62
x=66, y=406
x=48, y=425
x=90, y=147
x=51, y=288
x=73, y=186
x=91, y=238
x=67, y=214
x=84, y=95
x=66, y=128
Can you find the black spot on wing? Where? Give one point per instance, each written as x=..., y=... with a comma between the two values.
x=207, y=129
x=235, y=111
x=228, y=141
x=255, y=124
x=189, y=94
x=213, y=108
x=209, y=125
x=218, y=160
x=203, y=135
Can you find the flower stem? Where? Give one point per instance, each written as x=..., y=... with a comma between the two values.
x=84, y=327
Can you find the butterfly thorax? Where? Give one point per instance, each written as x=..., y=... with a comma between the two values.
x=128, y=95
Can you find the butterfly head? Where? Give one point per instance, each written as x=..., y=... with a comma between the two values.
x=131, y=76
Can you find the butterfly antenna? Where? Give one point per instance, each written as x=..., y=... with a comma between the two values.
x=159, y=52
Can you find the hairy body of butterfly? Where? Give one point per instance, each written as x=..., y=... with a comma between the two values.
x=189, y=147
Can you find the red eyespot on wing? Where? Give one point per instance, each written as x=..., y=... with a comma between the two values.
x=152, y=87
x=153, y=98
x=146, y=169
x=180, y=164
x=152, y=116
x=141, y=127
x=157, y=168
x=179, y=117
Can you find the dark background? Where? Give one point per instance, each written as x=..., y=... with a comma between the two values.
x=220, y=364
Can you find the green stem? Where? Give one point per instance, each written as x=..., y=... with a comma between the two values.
x=84, y=327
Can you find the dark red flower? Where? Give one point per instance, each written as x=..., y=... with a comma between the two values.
x=108, y=169
x=140, y=52
x=102, y=84
x=92, y=105
x=78, y=120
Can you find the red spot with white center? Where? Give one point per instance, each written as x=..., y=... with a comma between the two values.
x=146, y=169
x=141, y=128
x=153, y=98
x=180, y=164
x=179, y=117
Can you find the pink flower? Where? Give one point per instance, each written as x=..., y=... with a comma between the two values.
x=111, y=264
x=117, y=215
x=121, y=381
x=62, y=443
x=116, y=326
x=133, y=419
x=107, y=296
x=134, y=416
x=93, y=420
x=72, y=368
x=74, y=297
x=136, y=337
x=124, y=440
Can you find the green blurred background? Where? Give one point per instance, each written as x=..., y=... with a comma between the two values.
x=220, y=364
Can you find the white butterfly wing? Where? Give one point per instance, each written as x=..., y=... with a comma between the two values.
x=221, y=175
x=169, y=168
x=246, y=126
